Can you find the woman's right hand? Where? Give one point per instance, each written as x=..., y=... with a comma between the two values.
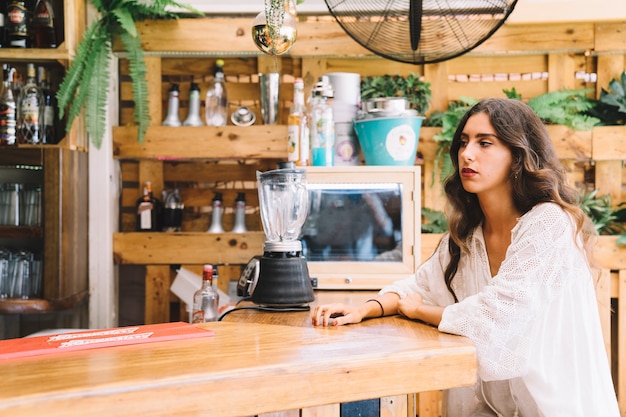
x=336, y=315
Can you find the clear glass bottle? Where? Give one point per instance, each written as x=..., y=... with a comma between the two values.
x=206, y=299
x=148, y=210
x=48, y=131
x=216, y=111
x=173, y=102
x=8, y=109
x=240, y=214
x=322, y=125
x=217, y=214
x=193, y=117
x=297, y=130
x=44, y=25
x=30, y=109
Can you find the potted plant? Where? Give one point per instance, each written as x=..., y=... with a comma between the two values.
x=412, y=87
x=85, y=84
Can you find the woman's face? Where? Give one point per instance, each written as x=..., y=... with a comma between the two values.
x=484, y=160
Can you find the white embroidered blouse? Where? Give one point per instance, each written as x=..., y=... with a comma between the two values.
x=535, y=324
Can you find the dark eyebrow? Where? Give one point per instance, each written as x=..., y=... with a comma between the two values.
x=486, y=135
x=480, y=135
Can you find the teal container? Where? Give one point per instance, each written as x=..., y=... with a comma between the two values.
x=389, y=140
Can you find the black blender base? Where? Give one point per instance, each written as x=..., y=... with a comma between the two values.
x=283, y=282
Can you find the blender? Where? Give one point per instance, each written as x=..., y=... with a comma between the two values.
x=283, y=276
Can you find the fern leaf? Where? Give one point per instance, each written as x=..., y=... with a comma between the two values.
x=90, y=69
x=97, y=94
x=125, y=20
x=74, y=75
x=137, y=69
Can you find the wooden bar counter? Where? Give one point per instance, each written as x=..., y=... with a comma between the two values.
x=256, y=362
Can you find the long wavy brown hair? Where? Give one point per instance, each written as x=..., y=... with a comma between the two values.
x=537, y=176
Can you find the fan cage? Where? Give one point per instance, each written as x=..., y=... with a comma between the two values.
x=446, y=29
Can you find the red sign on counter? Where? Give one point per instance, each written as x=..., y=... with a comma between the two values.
x=93, y=339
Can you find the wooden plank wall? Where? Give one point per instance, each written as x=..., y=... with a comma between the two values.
x=467, y=76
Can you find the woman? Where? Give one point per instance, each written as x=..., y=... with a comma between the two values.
x=512, y=275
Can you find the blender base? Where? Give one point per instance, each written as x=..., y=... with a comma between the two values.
x=283, y=282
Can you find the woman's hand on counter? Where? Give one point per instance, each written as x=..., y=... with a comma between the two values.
x=336, y=314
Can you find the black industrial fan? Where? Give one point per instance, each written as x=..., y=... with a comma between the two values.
x=420, y=31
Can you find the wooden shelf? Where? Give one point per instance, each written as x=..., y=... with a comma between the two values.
x=161, y=248
x=21, y=232
x=226, y=142
x=38, y=305
x=35, y=54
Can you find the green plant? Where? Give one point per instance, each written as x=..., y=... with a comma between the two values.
x=85, y=84
x=606, y=219
x=435, y=221
x=611, y=108
x=566, y=107
x=416, y=90
x=448, y=121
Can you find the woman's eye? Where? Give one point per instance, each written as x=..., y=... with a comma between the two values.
x=485, y=143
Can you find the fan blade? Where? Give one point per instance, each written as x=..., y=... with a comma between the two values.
x=415, y=22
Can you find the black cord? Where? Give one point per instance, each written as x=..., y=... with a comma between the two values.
x=265, y=308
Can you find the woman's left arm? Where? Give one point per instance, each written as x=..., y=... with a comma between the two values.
x=412, y=306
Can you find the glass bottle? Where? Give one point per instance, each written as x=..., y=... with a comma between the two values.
x=240, y=214
x=172, y=118
x=8, y=109
x=3, y=8
x=18, y=24
x=217, y=214
x=217, y=98
x=322, y=125
x=44, y=25
x=206, y=299
x=297, y=131
x=148, y=209
x=30, y=111
x=172, y=211
x=193, y=117
x=48, y=131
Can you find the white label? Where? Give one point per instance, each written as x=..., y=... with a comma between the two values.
x=145, y=215
x=293, y=144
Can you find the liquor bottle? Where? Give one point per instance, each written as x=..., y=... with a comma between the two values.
x=172, y=107
x=322, y=125
x=44, y=25
x=148, y=210
x=206, y=299
x=18, y=26
x=216, y=111
x=297, y=130
x=30, y=110
x=172, y=218
x=8, y=113
x=3, y=9
x=193, y=117
x=217, y=213
x=240, y=214
x=48, y=127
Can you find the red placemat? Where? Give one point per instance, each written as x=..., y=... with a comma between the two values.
x=93, y=339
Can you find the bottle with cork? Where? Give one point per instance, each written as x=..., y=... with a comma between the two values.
x=148, y=210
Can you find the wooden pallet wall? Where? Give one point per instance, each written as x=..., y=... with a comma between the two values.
x=472, y=76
